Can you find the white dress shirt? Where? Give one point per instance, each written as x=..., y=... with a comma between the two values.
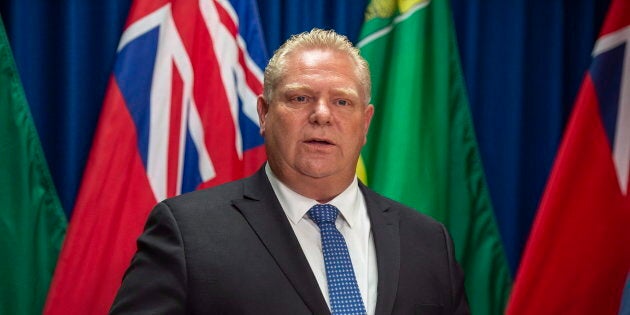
x=353, y=223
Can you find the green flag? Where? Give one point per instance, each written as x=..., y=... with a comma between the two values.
x=421, y=147
x=32, y=222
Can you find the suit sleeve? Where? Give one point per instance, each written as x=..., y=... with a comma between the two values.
x=155, y=282
x=459, y=302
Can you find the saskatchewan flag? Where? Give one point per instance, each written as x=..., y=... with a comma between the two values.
x=421, y=147
x=32, y=222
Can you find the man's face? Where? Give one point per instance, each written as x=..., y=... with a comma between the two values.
x=317, y=120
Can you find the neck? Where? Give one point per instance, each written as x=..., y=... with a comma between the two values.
x=321, y=189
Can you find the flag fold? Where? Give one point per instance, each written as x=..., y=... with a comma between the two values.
x=422, y=149
x=179, y=115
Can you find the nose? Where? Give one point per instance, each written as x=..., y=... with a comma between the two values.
x=321, y=114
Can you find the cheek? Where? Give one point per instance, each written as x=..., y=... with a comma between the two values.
x=357, y=124
x=357, y=134
x=282, y=129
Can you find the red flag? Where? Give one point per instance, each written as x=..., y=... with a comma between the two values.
x=180, y=114
x=578, y=255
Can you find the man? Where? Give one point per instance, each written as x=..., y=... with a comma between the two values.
x=302, y=235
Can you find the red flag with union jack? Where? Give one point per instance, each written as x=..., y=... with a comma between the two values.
x=578, y=255
x=179, y=115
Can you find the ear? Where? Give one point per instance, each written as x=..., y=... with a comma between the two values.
x=263, y=108
x=367, y=116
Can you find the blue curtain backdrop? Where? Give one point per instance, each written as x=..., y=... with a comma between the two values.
x=523, y=62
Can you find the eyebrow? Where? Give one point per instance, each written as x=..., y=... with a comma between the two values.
x=346, y=91
x=297, y=87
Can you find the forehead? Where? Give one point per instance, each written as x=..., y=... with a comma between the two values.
x=328, y=66
x=319, y=58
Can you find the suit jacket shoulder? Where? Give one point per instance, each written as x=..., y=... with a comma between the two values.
x=223, y=250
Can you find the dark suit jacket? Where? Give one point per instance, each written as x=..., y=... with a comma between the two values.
x=231, y=250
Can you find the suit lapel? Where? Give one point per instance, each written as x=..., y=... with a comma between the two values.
x=384, y=221
x=263, y=212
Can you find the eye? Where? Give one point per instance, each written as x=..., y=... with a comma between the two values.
x=300, y=99
x=342, y=102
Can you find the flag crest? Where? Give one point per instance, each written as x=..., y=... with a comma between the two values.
x=421, y=148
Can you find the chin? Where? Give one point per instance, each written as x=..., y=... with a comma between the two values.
x=323, y=170
x=320, y=167
x=317, y=170
x=316, y=173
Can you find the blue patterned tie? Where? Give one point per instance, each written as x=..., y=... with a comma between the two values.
x=343, y=289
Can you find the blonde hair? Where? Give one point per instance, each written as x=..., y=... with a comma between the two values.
x=314, y=39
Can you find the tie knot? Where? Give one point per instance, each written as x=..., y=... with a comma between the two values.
x=323, y=213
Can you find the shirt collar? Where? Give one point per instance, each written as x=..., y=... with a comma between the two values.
x=296, y=206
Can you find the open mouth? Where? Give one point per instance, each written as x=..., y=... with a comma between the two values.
x=319, y=142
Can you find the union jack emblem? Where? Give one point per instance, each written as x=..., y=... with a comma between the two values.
x=612, y=83
x=179, y=114
x=190, y=77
